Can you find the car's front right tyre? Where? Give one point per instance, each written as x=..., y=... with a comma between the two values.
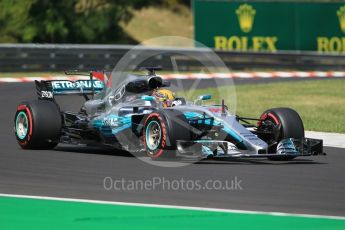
x=285, y=123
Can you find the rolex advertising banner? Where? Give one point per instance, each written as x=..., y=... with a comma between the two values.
x=270, y=26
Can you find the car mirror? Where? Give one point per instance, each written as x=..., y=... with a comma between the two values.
x=204, y=97
x=147, y=98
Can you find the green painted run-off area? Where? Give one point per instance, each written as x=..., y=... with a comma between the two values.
x=23, y=213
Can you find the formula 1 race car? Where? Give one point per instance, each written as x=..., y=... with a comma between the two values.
x=142, y=114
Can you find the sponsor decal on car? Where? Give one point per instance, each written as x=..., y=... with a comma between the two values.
x=47, y=94
x=80, y=84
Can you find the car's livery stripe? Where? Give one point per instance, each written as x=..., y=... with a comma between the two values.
x=119, y=124
x=29, y=212
x=232, y=134
x=195, y=115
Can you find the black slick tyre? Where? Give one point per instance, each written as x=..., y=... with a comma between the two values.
x=288, y=123
x=37, y=124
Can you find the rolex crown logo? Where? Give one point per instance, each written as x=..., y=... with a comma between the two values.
x=245, y=14
x=341, y=16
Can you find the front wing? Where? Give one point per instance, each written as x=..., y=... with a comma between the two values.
x=221, y=149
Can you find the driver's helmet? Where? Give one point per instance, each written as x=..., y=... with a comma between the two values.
x=165, y=96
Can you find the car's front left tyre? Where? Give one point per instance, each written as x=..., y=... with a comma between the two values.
x=162, y=130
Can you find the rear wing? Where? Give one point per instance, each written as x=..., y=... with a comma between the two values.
x=48, y=89
x=83, y=87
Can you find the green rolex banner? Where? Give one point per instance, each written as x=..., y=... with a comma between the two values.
x=270, y=26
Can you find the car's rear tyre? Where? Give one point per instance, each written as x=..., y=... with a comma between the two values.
x=161, y=131
x=288, y=124
x=37, y=124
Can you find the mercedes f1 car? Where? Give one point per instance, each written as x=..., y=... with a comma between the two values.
x=141, y=114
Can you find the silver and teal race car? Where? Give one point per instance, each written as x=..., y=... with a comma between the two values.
x=141, y=115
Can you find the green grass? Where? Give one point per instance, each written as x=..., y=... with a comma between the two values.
x=321, y=103
x=154, y=22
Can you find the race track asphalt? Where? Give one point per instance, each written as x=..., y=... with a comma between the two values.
x=314, y=185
